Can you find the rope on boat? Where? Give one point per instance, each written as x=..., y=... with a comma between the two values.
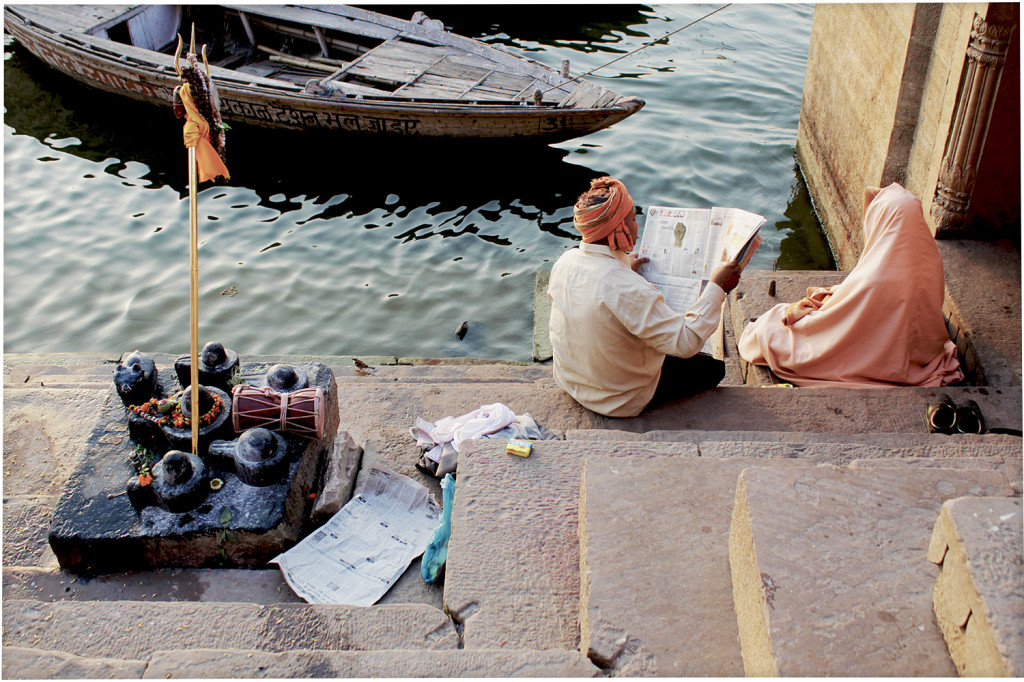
x=662, y=39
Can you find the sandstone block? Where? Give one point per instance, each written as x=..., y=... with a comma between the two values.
x=979, y=595
x=513, y=574
x=830, y=571
x=655, y=592
x=21, y=663
x=338, y=478
x=220, y=664
x=134, y=630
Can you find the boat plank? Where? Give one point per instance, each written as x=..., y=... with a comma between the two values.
x=583, y=97
x=447, y=69
x=315, y=17
x=74, y=18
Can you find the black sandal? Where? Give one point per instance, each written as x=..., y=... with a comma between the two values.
x=969, y=419
x=942, y=415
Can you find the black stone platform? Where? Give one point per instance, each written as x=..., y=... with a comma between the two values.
x=96, y=529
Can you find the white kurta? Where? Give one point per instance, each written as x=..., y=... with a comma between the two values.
x=611, y=330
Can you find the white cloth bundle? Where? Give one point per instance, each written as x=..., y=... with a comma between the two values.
x=480, y=422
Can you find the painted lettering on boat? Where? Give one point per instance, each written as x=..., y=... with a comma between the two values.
x=83, y=70
x=284, y=115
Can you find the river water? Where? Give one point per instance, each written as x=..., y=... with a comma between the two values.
x=342, y=247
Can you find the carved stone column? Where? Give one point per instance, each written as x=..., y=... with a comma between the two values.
x=986, y=55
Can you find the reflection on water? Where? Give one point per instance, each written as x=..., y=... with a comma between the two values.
x=331, y=246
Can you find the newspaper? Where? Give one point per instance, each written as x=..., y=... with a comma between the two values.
x=362, y=550
x=685, y=245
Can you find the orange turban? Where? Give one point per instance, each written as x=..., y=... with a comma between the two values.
x=597, y=222
x=197, y=134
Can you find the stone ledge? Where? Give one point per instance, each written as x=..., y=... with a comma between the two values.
x=983, y=306
x=21, y=663
x=135, y=630
x=513, y=574
x=209, y=663
x=979, y=595
x=655, y=592
x=840, y=584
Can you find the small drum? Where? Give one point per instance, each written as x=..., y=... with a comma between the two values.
x=300, y=413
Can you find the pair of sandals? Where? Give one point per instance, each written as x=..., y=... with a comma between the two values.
x=945, y=416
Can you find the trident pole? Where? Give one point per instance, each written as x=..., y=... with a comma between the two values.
x=193, y=219
x=193, y=214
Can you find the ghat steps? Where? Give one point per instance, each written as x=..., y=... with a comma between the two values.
x=607, y=552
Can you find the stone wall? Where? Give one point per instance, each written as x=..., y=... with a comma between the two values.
x=880, y=95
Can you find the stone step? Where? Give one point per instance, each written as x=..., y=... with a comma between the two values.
x=830, y=570
x=134, y=630
x=656, y=593
x=21, y=663
x=253, y=586
x=513, y=574
x=978, y=544
x=999, y=452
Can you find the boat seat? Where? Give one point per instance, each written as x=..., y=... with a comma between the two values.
x=588, y=95
x=429, y=72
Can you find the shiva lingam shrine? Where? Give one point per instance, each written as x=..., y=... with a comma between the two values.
x=140, y=498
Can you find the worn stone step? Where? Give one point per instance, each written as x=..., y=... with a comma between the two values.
x=978, y=544
x=135, y=630
x=21, y=663
x=930, y=442
x=830, y=571
x=999, y=452
x=253, y=586
x=513, y=575
x=656, y=592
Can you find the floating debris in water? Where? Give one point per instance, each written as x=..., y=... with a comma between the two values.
x=460, y=332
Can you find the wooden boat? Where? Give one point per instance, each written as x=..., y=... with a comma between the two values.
x=321, y=67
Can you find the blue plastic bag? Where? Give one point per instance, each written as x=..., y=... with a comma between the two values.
x=436, y=554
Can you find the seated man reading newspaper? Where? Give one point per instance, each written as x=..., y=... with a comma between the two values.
x=618, y=347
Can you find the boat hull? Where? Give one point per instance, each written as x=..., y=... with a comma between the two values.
x=150, y=77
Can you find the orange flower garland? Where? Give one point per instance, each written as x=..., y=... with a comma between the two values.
x=149, y=410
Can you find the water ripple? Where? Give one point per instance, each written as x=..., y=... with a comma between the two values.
x=393, y=246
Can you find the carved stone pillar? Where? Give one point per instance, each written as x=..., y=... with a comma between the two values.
x=986, y=55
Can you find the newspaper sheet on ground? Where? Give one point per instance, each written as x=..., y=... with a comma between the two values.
x=362, y=550
x=685, y=245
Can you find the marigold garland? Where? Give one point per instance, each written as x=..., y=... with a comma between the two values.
x=150, y=409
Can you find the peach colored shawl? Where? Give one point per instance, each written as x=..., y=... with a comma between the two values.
x=882, y=326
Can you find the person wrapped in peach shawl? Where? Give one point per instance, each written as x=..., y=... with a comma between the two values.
x=882, y=326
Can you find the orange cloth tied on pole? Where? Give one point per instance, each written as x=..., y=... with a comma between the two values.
x=607, y=219
x=196, y=133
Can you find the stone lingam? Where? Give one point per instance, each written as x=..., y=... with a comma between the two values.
x=258, y=457
x=139, y=498
x=177, y=483
x=218, y=367
x=214, y=419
